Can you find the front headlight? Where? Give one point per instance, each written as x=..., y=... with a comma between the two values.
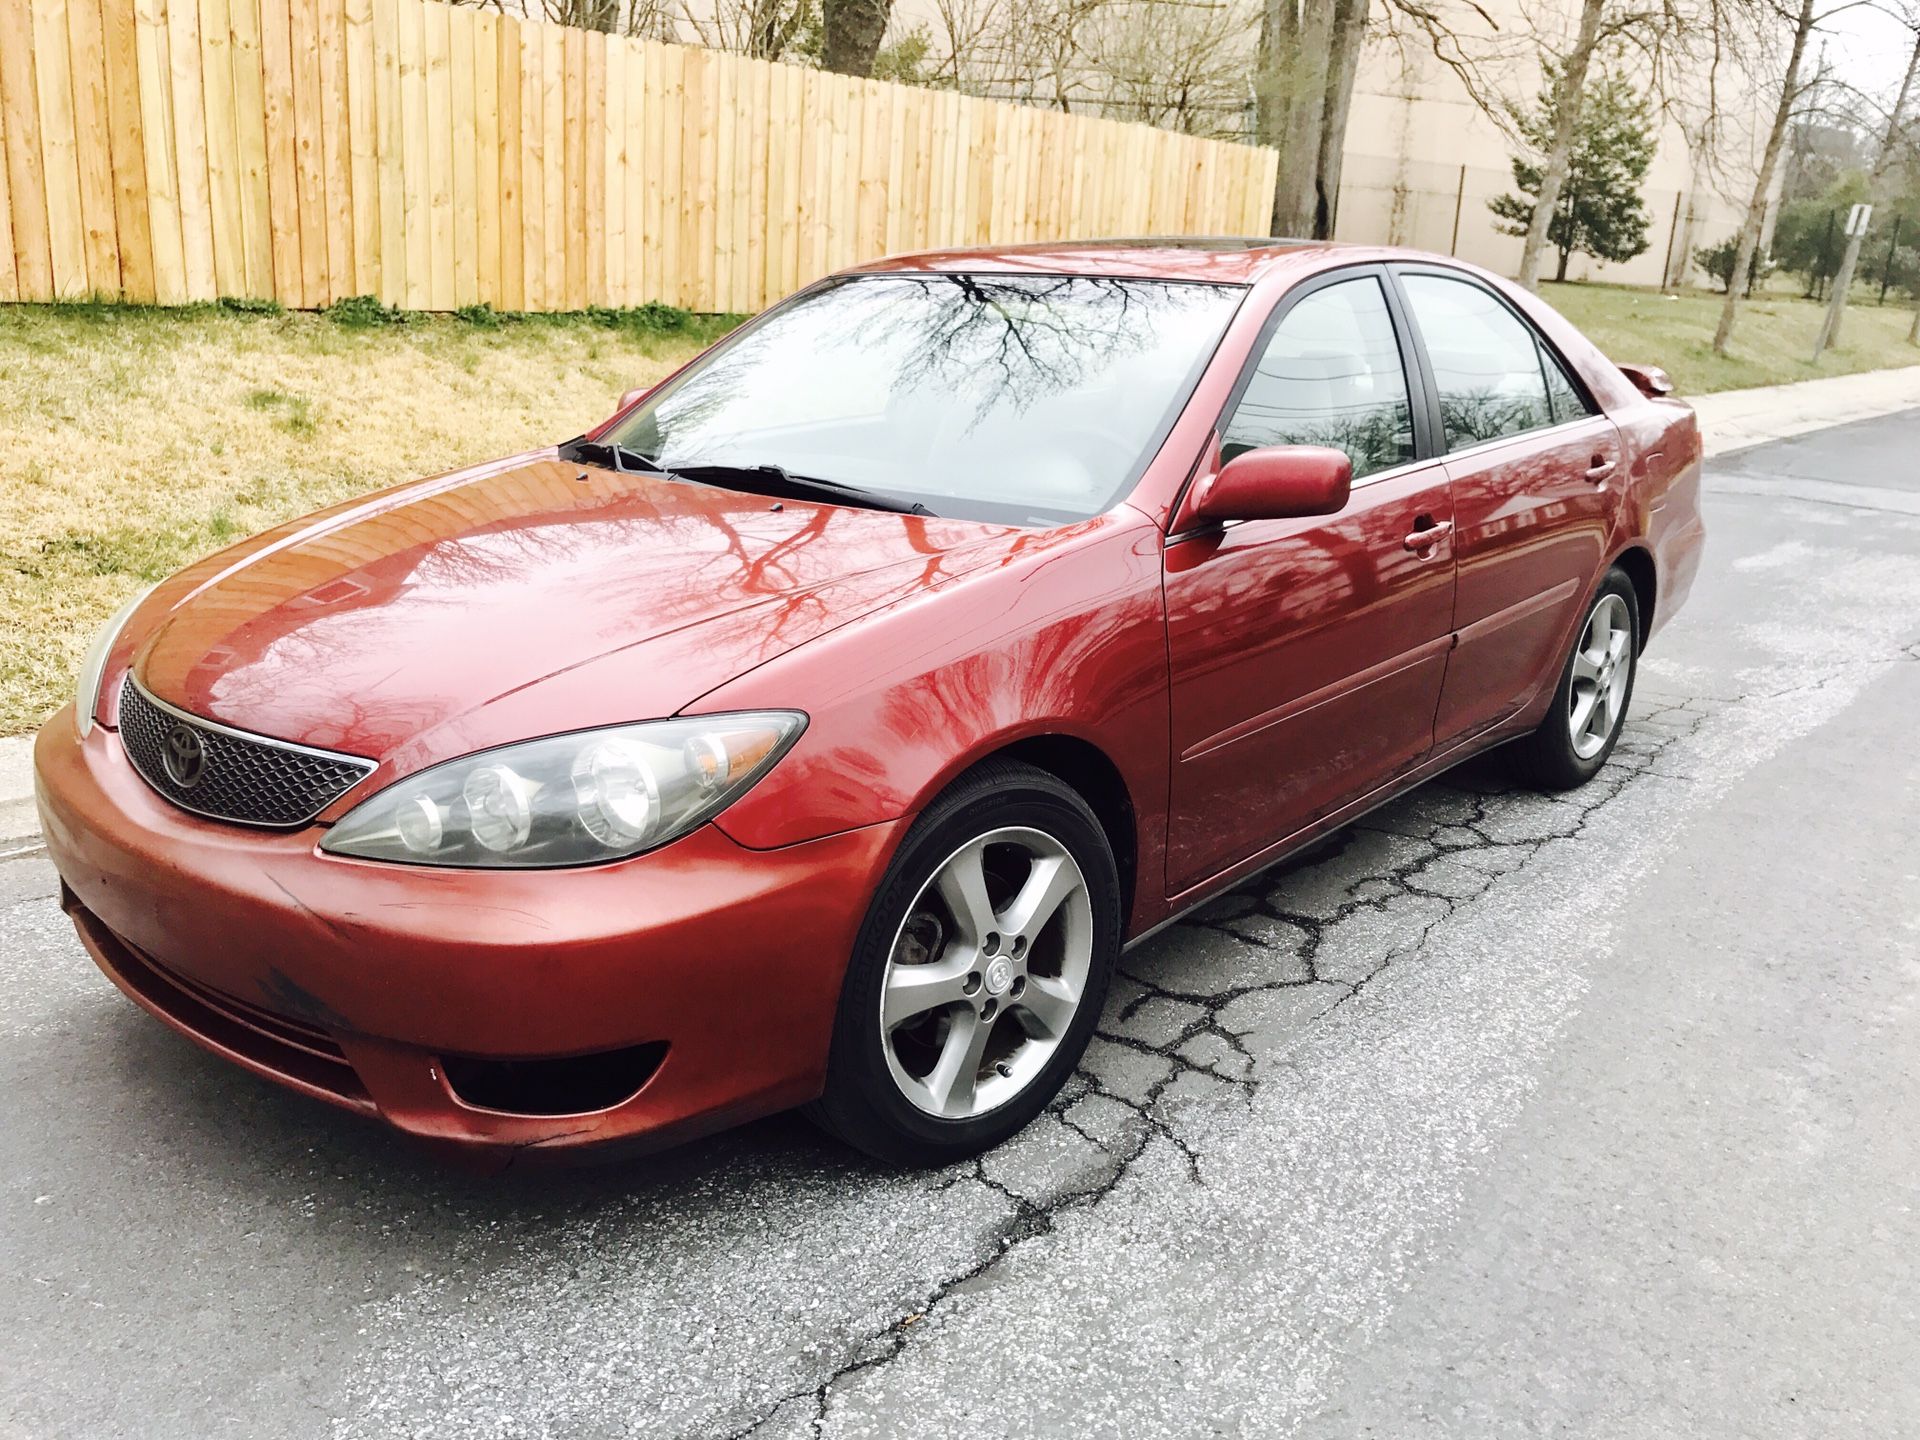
x=569, y=799
x=86, y=690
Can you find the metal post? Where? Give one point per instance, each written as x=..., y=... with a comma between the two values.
x=1857, y=222
x=1826, y=246
x=1886, y=270
x=1459, y=198
x=1673, y=230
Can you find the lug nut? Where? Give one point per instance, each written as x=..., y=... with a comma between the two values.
x=991, y=944
x=1019, y=987
x=971, y=985
x=1019, y=946
x=986, y=1010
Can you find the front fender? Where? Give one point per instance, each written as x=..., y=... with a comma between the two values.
x=1066, y=635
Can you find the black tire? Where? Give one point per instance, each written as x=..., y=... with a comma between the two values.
x=863, y=1104
x=1547, y=759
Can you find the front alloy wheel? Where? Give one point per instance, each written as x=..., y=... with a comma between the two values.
x=986, y=973
x=979, y=972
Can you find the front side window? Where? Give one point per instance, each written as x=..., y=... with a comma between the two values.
x=1026, y=399
x=1330, y=375
x=1485, y=359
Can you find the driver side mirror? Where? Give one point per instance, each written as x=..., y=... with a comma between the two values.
x=1277, y=482
x=632, y=398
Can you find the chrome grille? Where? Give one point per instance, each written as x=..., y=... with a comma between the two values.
x=226, y=775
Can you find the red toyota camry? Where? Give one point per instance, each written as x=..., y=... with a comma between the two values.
x=820, y=729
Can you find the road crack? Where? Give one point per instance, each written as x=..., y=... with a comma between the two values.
x=1468, y=819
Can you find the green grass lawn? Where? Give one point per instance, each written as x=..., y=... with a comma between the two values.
x=133, y=441
x=1772, y=343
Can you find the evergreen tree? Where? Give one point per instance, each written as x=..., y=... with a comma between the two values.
x=1600, y=211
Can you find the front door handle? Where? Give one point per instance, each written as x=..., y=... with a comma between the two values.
x=1600, y=469
x=1427, y=536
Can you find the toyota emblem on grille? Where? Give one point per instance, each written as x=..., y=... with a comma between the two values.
x=185, y=757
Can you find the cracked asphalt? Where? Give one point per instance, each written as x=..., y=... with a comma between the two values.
x=1497, y=1114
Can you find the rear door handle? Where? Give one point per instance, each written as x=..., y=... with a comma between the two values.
x=1428, y=536
x=1600, y=469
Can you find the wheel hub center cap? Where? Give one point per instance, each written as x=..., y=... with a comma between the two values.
x=998, y=977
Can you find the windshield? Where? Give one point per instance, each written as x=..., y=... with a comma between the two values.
x=1021, y=399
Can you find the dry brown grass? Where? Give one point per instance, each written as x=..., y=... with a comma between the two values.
x=134, y=441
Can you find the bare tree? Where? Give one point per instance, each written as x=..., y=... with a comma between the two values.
x=763, y=29
x=1805, y=18
x=1037, y=52
x=1666, y=40
x=1569, y=94
x=1177, y=64
x=963, y=35
x=1045, y=52
x=639, y=19
x=1893, y=139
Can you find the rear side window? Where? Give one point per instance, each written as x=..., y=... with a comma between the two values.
x=1330, y=375
x=1490, y=368
x=1562, y=394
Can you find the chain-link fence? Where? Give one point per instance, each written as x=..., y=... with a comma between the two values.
x=1440, y=207
x=1810, y=237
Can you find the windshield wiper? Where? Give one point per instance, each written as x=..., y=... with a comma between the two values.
x=802, y=485
x=613, y=457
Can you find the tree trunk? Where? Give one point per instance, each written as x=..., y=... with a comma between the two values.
x=1343, y=66
x=1567, y=97
x=1743, y=253
x=851, y=32
x=1876, y=184
x=1303, y=91
x=1290, y=100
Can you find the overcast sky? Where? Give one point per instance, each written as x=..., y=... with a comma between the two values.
x=1869, y=48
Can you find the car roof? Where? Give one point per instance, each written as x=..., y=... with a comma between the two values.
x=1221, y=259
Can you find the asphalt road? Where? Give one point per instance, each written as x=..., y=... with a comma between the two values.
x=1594, y=1116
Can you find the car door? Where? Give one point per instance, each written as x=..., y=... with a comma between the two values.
x=1307, y=654
x=1532, y=462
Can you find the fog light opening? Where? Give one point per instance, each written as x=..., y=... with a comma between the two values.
x=577, y=1085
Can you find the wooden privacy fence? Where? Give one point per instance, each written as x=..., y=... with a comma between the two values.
x=306, y=150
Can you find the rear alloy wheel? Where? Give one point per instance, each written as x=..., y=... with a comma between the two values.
x=979, y=973
x=1602, y=670
x=1582, y=725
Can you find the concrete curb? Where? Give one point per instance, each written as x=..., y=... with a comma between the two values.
x=1730, y=420
x=1736, y=419
x=17, y=815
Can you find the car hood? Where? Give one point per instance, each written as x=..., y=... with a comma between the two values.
x=523, y=598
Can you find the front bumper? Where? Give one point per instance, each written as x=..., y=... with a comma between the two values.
x=357, y=982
